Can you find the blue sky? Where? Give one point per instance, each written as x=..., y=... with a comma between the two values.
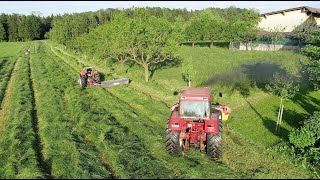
x=46, y=8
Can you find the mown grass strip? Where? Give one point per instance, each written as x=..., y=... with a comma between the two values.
x=5, y=74
x=61, y=148
x=17, y=143
x=118, y=137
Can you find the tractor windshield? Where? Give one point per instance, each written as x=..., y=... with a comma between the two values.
x=195, y=109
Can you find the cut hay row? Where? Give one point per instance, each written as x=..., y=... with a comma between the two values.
x=6, y=69
x=110, y=137
x=18, y=153
x=63, y=150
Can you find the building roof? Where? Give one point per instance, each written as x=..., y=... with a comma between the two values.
x=302, y=8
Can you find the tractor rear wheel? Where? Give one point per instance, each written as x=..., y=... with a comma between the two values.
x=97, y=78
x=173, y=142
x=82, y=82
x=214, y=144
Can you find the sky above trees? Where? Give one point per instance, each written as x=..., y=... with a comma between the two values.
x=46, y=8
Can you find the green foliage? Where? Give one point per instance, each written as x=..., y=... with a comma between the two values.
x=2, y=33
x=146, y=40
x=188, y=72
x=309, y=134
x=303, y=34
x=283, y=86
x=306, y=140
x=13, y=27
x=275, y=34
x=312, y=51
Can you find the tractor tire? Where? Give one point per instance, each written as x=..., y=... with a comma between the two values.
x=214, y=144
x=173, y=143
x=82, y=82
x=97, y=78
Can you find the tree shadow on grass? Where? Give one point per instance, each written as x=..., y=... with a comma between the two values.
x=164, y=65
x=293, y=118
x=304, y=101
x=271, y=124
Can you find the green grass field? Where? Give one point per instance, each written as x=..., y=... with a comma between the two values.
x=119, y=132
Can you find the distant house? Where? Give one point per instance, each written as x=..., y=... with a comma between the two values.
x=290, y=18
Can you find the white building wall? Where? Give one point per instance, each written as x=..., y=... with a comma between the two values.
x=289, y=20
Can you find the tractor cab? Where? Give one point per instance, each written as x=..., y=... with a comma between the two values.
x=89, y=71
x=195, y=103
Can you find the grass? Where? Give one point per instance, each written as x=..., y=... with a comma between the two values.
x=151, y=132
x=118, y=132
x=11, y=49
x=18, y=154
x=251, y=124
x=62, y=147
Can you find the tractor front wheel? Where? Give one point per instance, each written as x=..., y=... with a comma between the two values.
x=82, y=82
x=214, y=144
x=173, y=142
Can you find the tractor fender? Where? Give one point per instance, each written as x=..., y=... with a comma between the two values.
x=211, y=126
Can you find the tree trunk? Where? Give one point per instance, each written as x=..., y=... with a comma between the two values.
x=211, y=44
x=146, y=72
x=193, y=44
x=189, y=83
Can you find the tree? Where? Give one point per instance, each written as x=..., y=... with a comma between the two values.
x=13, y=27
x=312, y=51
x=284, y=88
x=308, y=134
x=188, y=71
x=302, y=34
x=249, y=35
x=275, y=34
x=240, y=23
x=153, y=40
x=215, y=26
x=306, y=140
x=3, y=21
x=2, y=33
x=193, y=31
x=22, y=28
x=117, y=42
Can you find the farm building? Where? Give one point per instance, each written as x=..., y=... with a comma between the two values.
x=288, y=20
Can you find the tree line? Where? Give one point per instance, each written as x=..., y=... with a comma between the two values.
x=16, y=27
x=210, y=25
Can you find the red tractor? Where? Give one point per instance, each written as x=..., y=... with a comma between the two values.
x=195, y=122
x=89, y=77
